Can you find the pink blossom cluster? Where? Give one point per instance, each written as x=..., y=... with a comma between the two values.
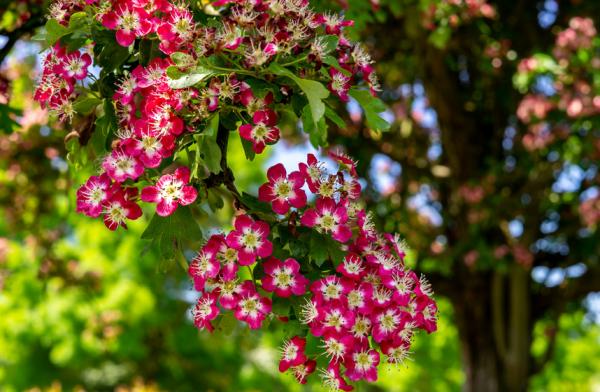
x=154, y=116
x=456, y=12
x=368, y=305
x=62, y=70
x=573, y=82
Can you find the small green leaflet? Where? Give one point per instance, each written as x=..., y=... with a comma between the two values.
x=317, y=132
x=315, y=91
x=372, y=107
x=86, y=104
x=192, y=78
x=168, y=233
x=208, y=147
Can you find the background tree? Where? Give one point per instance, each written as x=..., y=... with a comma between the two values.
x=492, y=164
x=484, y=194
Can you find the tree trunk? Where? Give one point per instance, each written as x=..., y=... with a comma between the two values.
x=492, y=316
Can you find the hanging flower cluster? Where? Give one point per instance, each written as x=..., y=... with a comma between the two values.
x=365, y=304
x=155, y=89
x=236, y=63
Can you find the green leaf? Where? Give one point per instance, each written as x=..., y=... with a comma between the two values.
x=315, y=91
x=109, y=54
x=209, y=148
x=215, y=201
x=7, y=121
x=334, y=117
x=372, y=107
x=54, y=31
x=192, y=78
x=256, y=206
x=168, y=233
x=317, y=132
x=106, y=126
x=86, y=104
x=226, y=324
x=318, y=252
x=247, y=146
x=330, y=42
x=313, y=346
x=281, y=306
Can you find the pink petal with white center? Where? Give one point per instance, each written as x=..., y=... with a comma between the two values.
x=276, y=172
x=189, y=195
x=342, y=233
x=165, y=208
x=150, y=194
x=281, y=206
x=245, y=257
x=309, y=218
x=243, y=222
x=125, y=38
x=265, y=249
x=266, y=193
x=298, y=199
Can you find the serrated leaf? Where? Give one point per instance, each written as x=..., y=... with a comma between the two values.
x=209, y=148
x=313, y=346
x=197, y=75
x=247, y=146
x=330, y=42
x=86, y=104
x=168, y=233
x=315, y=91
x=372, y=108
x=334, y=117
x=281, y=306
x=317, y=132
x=318, y=252
x=54, y=31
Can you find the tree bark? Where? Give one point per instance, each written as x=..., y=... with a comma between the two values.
x=491, y=311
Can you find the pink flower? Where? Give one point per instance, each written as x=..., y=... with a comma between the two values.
x=313, y=172
x=176, y=29
x=345, y=162
x=205, y=311
x=302, y=371
x=149, y=147
x=250, y=239
x=93, y=194
x=385, y=324
x=328, y=217
x=263, y=132
x=75, y=65
x=340, y=84
x=129, y=21
x=283, y=277
x=252, y=103
x=170, y=191
x=292, y=353
x=282, y=190
x=120, y=166
x=331, y=288
x=251, y=307
x=360, y=299
x=351, y=267
x=204, y=266
x=334, y=380
x=334, y=319
x=362, y=365
x=118, y=208
x=337, y=346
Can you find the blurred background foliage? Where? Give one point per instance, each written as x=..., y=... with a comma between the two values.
x=84, y=309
